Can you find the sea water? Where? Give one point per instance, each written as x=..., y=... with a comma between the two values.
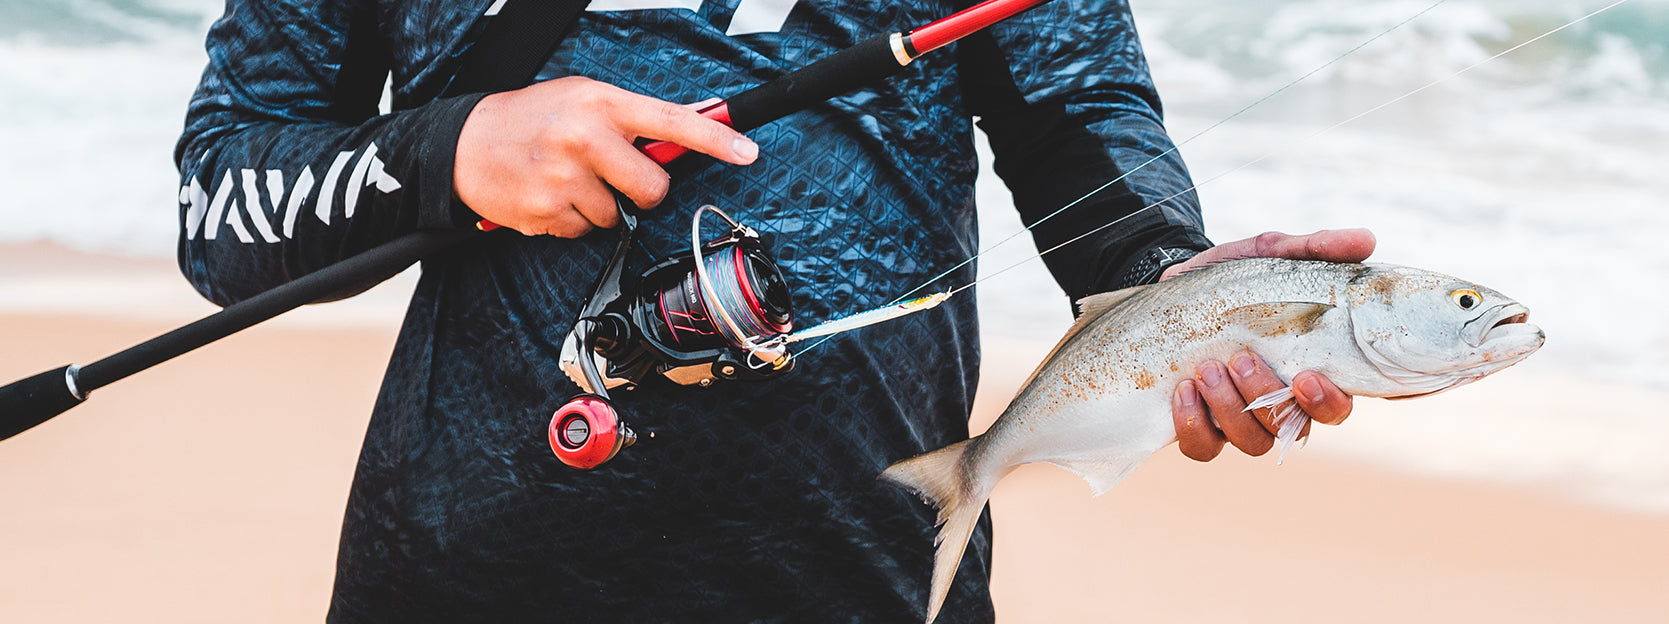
x=1543, y=174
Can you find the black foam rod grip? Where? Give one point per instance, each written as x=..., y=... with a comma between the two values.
x=34, y=400
x=808, y=86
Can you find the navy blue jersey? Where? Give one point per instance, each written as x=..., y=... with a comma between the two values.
x=753, y=501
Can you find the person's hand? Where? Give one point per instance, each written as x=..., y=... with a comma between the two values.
x=541, y=159
x=1208, y=410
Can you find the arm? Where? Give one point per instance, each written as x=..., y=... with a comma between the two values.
x=1064, y=94
x=286, y=166
x=1066, y=113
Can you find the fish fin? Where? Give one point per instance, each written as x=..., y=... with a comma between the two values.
x=1102, y=473
x=1098, y=304
x=1289, y=421
x=1279, y=317
x=940, y=479
x=1272, y=399
x=1089, y=309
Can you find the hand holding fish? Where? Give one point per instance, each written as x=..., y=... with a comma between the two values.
x=1096, y=406
x=1208, y=412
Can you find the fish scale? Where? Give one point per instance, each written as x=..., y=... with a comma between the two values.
x=1100, y=403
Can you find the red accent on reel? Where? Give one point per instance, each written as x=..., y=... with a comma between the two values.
x=587, y=432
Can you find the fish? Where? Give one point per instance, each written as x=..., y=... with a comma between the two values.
x=1100, y=403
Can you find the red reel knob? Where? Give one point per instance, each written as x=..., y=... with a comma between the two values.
x=587, y=432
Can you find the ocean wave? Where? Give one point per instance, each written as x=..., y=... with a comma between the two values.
x=1262, y=43
x=102, y=22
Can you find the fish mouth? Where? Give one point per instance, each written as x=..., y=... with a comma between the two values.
x=1504, y=334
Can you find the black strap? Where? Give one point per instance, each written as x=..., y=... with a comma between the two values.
x=515, y=44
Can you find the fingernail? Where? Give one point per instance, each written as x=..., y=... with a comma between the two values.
x=1211, y=374
x=1243, y=365
x=1190, y=397
x=1308, y=389
x=745, y=149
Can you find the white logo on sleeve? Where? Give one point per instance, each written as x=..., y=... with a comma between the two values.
x=250, y=206
x=752, y=16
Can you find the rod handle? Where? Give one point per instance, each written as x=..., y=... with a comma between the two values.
x=33, y=400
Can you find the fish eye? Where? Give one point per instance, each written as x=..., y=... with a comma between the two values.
x=1466, y=298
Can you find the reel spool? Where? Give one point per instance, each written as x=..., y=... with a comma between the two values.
x=720, y=311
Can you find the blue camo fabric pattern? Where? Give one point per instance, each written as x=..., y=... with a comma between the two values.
x=752, y=501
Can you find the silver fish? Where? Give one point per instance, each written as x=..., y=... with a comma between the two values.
x=1100, y=404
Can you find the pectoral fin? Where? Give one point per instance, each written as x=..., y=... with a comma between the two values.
x=1279, y=317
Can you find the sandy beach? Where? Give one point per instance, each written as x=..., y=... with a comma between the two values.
x=1537, y=495
x=151, y=503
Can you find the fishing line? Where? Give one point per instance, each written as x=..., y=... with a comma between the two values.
x=1213, y=126
x=1312, y=136
x=1283, y=88
x=1231, y=117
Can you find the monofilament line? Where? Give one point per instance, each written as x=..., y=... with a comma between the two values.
x=1190, y=139
x=1086, y=196
x=1295, y=144
x=1235, y=169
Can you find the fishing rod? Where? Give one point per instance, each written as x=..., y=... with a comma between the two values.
x=33, y=400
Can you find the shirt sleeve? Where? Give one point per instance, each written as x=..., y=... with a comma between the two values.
x=285, y=164
x=1063, y=93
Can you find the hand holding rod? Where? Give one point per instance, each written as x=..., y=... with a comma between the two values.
x=34, y=400
x=875, y=58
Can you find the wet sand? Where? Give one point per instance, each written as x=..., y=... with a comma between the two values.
x=210, y=489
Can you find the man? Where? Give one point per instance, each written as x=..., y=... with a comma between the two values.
x=752, y=501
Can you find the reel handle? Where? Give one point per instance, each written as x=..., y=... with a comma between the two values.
x=587, y=432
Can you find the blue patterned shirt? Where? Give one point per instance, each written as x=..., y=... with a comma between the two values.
x=753, y=501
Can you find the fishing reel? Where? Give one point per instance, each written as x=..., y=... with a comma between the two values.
x=722, y=310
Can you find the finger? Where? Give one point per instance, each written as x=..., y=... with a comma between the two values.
x=1254, y=379
x=627, y=170
x=561, y=222
x=1195, y=435
x=1323, y=401
x=1227, y=408
x=596, y=204
x=1352, y=245
x=647, y=117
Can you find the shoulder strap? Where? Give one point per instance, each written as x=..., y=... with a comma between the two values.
x=518, y=39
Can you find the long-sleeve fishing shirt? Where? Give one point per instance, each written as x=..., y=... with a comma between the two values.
x=753, y=501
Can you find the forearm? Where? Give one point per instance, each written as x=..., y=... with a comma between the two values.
x=1096, y=180
x=285, y=165
x=270, y=201
x=1074, y=121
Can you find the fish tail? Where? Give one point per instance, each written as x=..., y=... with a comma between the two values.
x=941, y=479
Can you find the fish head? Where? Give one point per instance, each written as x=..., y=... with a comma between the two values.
x=1429, y=332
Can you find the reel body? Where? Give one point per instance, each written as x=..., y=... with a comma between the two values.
x=722, y=310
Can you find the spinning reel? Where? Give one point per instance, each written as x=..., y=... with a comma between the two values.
x=720, y=311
